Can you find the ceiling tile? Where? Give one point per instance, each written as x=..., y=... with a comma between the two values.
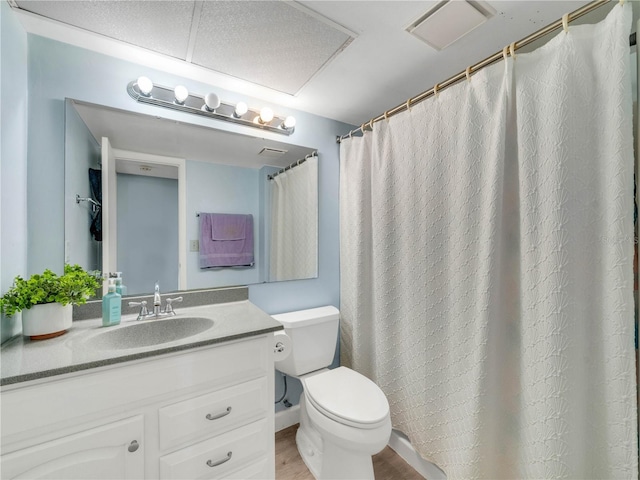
x=159, y=26
x=270, y=43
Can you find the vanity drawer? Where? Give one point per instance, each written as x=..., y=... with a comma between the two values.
x=256, y=471
x=213, y=413
x=218, y=456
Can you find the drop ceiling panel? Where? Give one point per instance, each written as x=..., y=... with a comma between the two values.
x=159, y=26
x=273, y=44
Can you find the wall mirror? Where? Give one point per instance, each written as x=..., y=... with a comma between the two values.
x=138, y=189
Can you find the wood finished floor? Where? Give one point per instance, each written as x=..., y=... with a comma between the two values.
x=387, y=465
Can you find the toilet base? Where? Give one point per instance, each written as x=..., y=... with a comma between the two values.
x=328, y=460
x=309, y=452
x=345, y=465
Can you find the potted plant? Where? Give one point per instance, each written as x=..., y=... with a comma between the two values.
x=46, y=299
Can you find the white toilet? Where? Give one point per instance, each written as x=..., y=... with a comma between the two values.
x=344, y=416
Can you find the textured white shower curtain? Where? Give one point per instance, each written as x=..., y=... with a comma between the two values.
x=294, y=222
x=486, y=264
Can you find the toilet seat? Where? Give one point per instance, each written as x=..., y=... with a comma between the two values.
x=347, y=397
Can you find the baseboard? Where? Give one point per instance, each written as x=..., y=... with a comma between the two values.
x=401, y=445
x=287, y=418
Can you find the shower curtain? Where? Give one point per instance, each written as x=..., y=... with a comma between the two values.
x=486, y=264
x=294, y=222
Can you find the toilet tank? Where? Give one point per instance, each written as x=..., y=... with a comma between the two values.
x=313, y=334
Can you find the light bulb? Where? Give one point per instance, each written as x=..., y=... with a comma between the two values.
x=289, y=122
x=181, y=94
x=145, y=85
x=266, y=115
x=211, y=102
x=241, y=109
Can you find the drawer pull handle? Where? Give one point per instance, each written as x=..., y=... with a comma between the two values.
x=133, y=446
x=220, y=462
x=220, y=415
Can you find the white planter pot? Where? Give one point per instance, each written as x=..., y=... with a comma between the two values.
x=46, y=321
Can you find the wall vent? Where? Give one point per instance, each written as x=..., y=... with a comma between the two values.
x=449, y=21
x=272, y=152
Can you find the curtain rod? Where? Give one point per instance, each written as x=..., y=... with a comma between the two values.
x=478, y=66
x=294, y=164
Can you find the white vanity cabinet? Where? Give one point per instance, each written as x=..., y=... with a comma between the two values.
x=200, y=413
x=107, y=452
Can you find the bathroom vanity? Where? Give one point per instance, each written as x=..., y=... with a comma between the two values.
x=197, y=407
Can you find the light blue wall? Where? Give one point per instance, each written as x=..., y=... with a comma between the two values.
x=81, y=153
x=13, y=157
x=214, y=188
x=58, y=71
x=147, y=232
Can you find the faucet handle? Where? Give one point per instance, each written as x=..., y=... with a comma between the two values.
x=143, y=308
x=169, y=307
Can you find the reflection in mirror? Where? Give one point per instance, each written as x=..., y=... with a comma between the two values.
x=147, y=225
x=158, y=175
x=83, y=224
x=294, y=221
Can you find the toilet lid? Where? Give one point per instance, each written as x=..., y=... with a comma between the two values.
x=344, y=394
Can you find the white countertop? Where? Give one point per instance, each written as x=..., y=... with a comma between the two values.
x=23, y=359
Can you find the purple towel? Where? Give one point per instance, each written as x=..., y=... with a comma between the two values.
x=226, y=240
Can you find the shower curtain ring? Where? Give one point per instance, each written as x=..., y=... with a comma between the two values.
x=468, y=73
x=512, y=50
x=565, y=22
x=386, y=115
x=435, y=90
x=408, y=105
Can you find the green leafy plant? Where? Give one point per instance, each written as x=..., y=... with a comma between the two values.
x=76, y=286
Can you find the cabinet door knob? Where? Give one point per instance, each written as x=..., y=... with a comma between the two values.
x=133, y=446
x=219, y=415
x=220, y=462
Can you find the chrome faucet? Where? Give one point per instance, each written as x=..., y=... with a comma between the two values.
x=157, y=301
x=158, y=312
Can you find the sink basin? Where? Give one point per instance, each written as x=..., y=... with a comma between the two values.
x=150, y=332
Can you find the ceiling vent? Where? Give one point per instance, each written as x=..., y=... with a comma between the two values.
x=449, y=21
x=272, y=152
x=133, y=167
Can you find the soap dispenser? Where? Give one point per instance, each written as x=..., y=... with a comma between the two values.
x=120, y=288
x=111, y=306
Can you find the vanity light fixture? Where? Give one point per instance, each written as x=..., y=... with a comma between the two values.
x=181, y=94
x=240, y=110
x=145, y=85
x=289, y=122
x=143, y=90
x=266, y=115
x=211, y=102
